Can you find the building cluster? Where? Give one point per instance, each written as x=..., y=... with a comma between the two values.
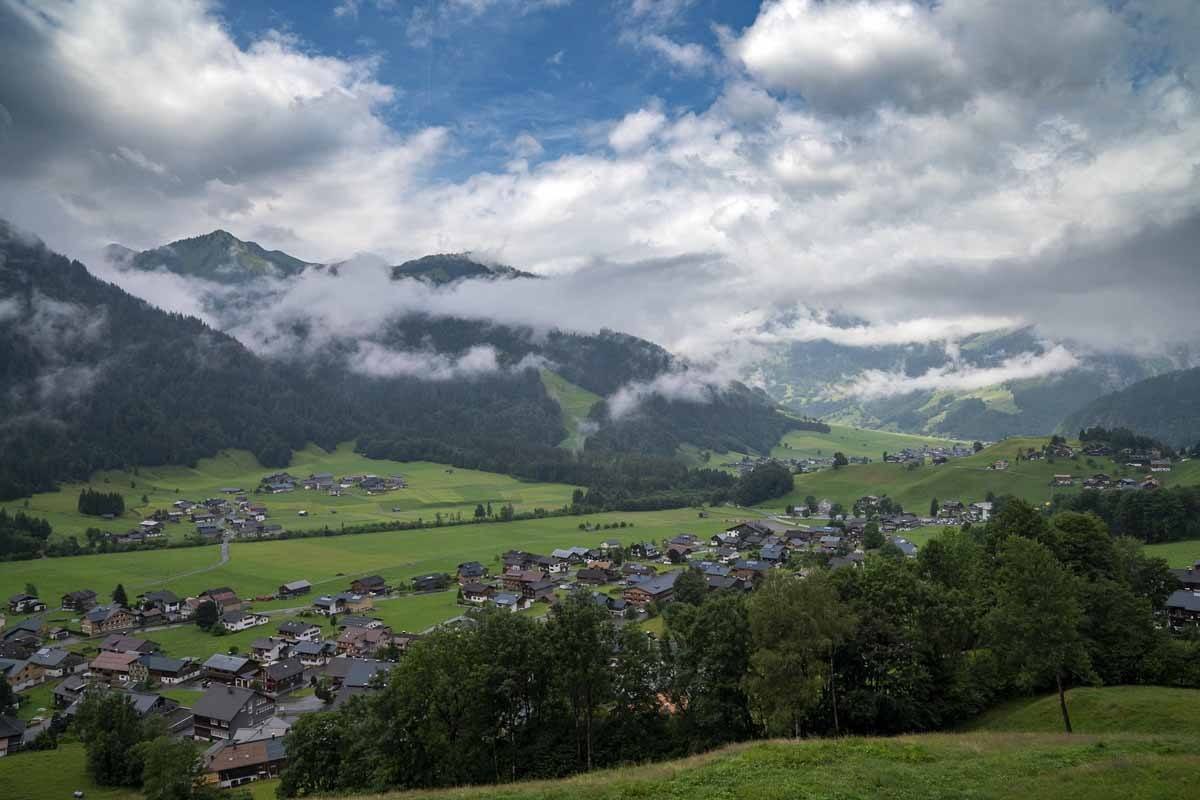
x=283, y=482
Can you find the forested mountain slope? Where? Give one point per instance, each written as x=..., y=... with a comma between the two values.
x=92, y=378
x=1165, y=407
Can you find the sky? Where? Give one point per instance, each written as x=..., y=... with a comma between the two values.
x=717, y=176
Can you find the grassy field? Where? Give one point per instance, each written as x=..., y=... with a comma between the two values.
x=851, y=441
x=258, y=568
x=967, y=479
x=575, y=403
x=931, y=767
x=1111, y=709
x=53, y=774
x=433, y=489
x=1177, y=554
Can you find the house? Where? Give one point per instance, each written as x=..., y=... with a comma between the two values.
x=1183, y=609
x=80, y=600
x=659, y=589
x=236, y=763
x=750, y=569
x=950, y=509
x=69, y=691
x=223, y=597
x=154, y=668
x=1160, y=465
x=20, y=673
x=312, y=653
x=357, y=676
x=56, y=662
x=595, y=577
x=506, y=601
x=103, y=619
x=12, y=733
x=1062, y=480
x=25, y=604
x=242, y=620
x=647, y=550
x=230, y=670
x=354, y=621
x=120, y=643
x=1149, y=483
x=471, y=571
x=516, y=581
x=267, y=650
x=113, y=668
x=162, y=599
x=295, y=630
x=477, y=592
x=341, y=603
x=905, y=546
x=363, y=642
x=1189, y=576
x=223, y=710
x=774, y=554
x=433, y=582
x=634, y=568
x=282, y=676
x=371, y=584
x=610, y=544
x=980, y=512
x=1000, y=465
x=854, y=560
x=294, y=588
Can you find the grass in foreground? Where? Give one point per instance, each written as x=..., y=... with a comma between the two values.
x=53, y=774
x=976, y=765
x=1111, y=709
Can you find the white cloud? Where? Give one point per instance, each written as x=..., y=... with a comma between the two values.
x=688, y=56
x=933, y=169
x=959, y=377
x=380, y=362
x=636, y=129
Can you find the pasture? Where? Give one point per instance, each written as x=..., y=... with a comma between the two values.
x=575, y=403
x=851, y=441
x=432, y=489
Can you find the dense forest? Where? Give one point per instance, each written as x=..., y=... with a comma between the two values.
x=1163, y=515
x=92, y=378
x=1027, y=603
x=22, y=537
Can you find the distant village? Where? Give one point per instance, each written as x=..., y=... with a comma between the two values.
x=802, y=465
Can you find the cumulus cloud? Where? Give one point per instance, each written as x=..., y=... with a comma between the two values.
x=930, y=168
x=688, y=386
x=378, y=361
x=956, y=376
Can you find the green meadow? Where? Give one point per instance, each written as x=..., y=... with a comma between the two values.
x=433, y=489
x=851, y=441
x=575, y=403
x=967, y=479
x=1109, y=709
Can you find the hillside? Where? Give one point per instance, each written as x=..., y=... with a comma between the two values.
x=445, y=268
x=219, y=257
x=1165, y=407
x=852, y=441
x=815, y=378
x=967, y=479
x=80, y=359
x=1108, y=710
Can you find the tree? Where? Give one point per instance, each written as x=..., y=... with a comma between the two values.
x=119, y=597
x=316, y=746
x=480, y=513
x=1034, y=623
x=582, y=637
x=811, y=503
x=8, y=698
x=111, y=730
x=171, y=769
x=207, y=615
x=690, y=587
x=934, y=507
x=839, y=460
x=795, y=625
x=977, y=446
x=30, y=589
x=872, y=536
x=764, y=482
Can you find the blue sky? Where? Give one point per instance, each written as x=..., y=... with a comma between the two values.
x=552, y=70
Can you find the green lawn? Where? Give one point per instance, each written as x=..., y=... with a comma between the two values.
x=38, y=701
x=433, y=489
x=981, y=766
x=1111, y=709
x=51, y=775
x=1177, y=554
x=967, y=479
x=575, y=403
x=851, y=441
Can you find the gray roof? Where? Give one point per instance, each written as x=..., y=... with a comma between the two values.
x=294, y=585
x=660, y=583
x=284, y=669
x=311, y=648
x=362, y=670
x=222, y=702
x=294, y=626
x=49, y=657
x=159, y=663
x=224, y=663
x=1184, y=599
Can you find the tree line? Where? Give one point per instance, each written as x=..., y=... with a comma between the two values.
x=1024, y=604
x=95, y=503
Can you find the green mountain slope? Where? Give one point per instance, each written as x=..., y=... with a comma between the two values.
x=576, y=404
x=444, y=268
x=218, y=256
x=1165, y=407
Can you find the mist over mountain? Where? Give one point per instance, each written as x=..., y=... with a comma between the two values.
x=1165, y=407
